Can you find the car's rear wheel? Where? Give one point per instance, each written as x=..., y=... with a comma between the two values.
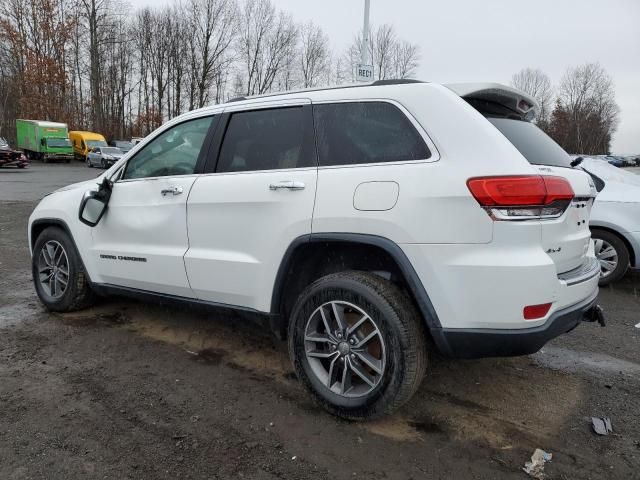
x=58, y=273
x=357, y=344
x=613, y=255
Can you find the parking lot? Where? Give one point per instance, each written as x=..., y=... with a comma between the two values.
x=133, y=390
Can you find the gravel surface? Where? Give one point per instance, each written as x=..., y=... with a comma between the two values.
x=134, y=390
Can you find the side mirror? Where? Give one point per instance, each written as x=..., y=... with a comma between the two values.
x=94, y=204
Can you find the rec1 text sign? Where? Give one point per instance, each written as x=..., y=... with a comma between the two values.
x=364, y=73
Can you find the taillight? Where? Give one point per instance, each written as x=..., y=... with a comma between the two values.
x=522, y=197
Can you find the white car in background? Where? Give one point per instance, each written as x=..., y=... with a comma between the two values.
x=615, y=219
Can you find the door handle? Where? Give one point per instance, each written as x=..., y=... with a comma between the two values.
x=288, y=185
x=171, y=191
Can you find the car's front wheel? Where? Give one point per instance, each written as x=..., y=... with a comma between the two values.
x=613, y=255
x=58, y=273
x=357, y=344
x=89, y=163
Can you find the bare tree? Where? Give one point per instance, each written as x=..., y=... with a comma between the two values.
x=405, y=59
x=265, y=42
x=213, y=26
x=315, y=56
x=383, y=44
x=94, y=13
x=537, y=84
x=586, y=113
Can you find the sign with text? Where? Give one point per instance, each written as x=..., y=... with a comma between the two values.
x=364, y=73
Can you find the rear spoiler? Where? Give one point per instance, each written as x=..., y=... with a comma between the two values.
x=509, y=97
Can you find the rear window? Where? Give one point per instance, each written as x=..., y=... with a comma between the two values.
x=535, y=145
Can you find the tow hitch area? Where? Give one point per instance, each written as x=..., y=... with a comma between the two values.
x=594, y=314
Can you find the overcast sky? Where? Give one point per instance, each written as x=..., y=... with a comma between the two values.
x=489, y=40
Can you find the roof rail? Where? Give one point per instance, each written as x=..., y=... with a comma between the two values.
x=377, y=83
x=395, y=81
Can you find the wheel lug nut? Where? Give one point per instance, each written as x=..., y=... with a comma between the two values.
x=351, y=341
x=353, y=355
x=339, y=335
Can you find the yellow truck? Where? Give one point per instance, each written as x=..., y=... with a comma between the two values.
x=84, y=142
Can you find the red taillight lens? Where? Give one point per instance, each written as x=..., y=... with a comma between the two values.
x=534, y=312
x=508, y=191
x=513, y=196
x=558, y=189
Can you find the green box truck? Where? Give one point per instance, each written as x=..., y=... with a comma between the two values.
x=44, y=141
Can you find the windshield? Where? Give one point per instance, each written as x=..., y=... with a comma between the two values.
x=124, y=145
x=58, y=142
x=535, y=145
x=111, y=151
x=96, y=143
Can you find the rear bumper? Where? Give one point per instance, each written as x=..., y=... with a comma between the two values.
x=477, y=343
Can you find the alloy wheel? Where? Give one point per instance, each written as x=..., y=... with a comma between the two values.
x=345, y=349
x=607, y=256
x=53, y=269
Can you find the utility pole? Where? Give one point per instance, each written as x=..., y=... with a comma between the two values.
x=365, y=33
x=364, y=71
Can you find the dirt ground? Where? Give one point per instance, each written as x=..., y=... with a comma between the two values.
x=133, y=390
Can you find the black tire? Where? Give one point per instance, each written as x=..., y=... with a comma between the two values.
x=78, y=294
x=401, y=328
x=621, y=250
x=103, y=164
x=89, y=163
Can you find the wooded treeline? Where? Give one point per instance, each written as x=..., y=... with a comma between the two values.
x=581, y=113
x=102, y=66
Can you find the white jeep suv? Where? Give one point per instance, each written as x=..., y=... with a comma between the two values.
x=368, y=223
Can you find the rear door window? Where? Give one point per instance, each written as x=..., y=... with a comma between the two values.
x=269, y=139
x=534, y=145
x=353, y=133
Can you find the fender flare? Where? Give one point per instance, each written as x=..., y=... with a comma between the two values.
x=414, y=283
x=48, y=222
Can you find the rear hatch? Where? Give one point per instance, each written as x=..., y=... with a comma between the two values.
x=566, y=239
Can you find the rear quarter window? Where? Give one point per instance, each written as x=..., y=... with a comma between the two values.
x=534, y=145
x=353, y=133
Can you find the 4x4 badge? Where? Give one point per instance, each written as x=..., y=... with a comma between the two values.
x=554, y=250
